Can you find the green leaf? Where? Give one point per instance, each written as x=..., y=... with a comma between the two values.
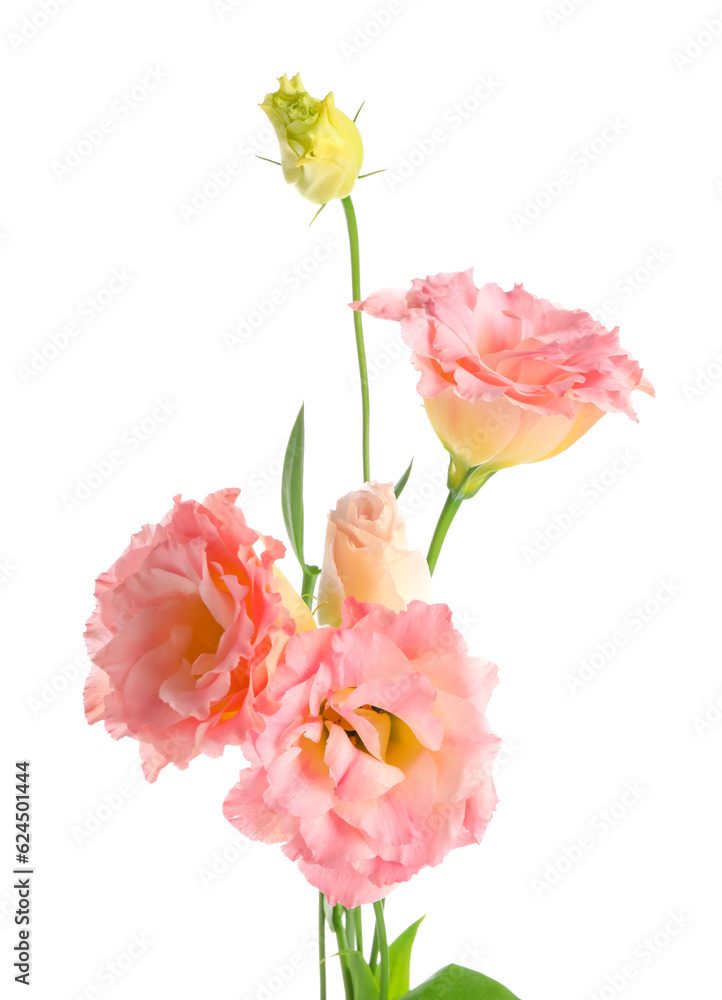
x=400, y=961
x=461, y=984
x=365, y=986
x=398, y=489
x=292, y=488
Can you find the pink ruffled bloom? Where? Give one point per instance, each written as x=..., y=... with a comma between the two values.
x=506, y=378
x=378, y=759
x=187, y=627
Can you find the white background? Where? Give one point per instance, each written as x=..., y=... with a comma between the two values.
x=656, y=189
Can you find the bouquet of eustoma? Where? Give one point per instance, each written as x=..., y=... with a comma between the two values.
x=353, y=698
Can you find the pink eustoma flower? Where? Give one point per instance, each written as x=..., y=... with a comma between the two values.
x=367, y=555
x=376, y=760
x=507, y=378
x=187, y=627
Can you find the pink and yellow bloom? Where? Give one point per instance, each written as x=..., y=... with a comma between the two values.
x=507, y=378
x=367, y=555
x=376, y=758
x=188, y=625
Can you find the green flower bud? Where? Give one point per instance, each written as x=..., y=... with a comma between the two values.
x=321, y=149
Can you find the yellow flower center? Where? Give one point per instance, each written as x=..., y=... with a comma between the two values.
x=396, y=741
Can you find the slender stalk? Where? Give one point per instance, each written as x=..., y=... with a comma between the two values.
x=469, y=486
x=358, y=328
x=359, y=929
x=383, y=951
x=343, y=948
x=350, y=929
x=374, y=956
x=322, y=946
x=453, y=502
x=308, y=586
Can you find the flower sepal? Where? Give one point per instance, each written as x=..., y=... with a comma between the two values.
x=465, y=483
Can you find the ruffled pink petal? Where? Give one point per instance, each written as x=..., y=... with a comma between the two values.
x=344, y=884
x=244, y=807
x=97, y=686
x=399, y=816
x=327, y=839
x=152, y=762
x=298, y=783
x=467, y=757
x=357, y=657
x=388, y=304
x=477, y=816
x=357, y=775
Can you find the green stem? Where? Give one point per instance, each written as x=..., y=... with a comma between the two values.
x=308, y=586
x=374, y=956
x=350, y=930
x=383, y=951
x=453, y=502
x=358, y=328
x=322, y=945
x=338, y=911
x=359, y=929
